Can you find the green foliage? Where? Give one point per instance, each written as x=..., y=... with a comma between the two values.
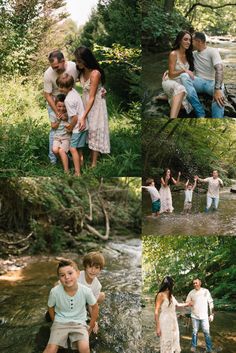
x=113, y=33
x=160, y=28
x=185, y=258
x=54, y=208
x=123, y=69
x=219, y=21
x=115, y=21
x=25, y=129
x=23, y=26
x=195, y=146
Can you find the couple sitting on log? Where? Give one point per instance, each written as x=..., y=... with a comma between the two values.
x=192, y=72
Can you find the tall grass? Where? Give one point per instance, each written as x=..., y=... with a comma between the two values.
x=24, y=130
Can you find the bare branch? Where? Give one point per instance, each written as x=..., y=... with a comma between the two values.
x=209, y=6
x=93, y=231
x=16, y=242
x=90, y=217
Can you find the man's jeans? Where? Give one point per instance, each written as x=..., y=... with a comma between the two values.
x=201, y=85
x=206, y=331
x=215, y=201
x=51, y=155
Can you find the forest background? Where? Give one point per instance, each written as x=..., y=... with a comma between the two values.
x=29, y=31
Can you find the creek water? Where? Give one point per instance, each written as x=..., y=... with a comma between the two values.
x=155, y=64
x=24, y=296
x=223, y=330
x=220, y=222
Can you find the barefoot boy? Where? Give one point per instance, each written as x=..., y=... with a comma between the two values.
x=155, y=196
x=75, y=111
x=67, y=309
x=61, y=137
x=189, y=188
x=93, y=263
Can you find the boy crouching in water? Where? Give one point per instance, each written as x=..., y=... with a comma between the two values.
x=155, y=196
x=67, y=308
x=93, y=264
x=75, y=111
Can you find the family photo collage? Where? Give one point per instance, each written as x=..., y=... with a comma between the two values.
x=118, y=176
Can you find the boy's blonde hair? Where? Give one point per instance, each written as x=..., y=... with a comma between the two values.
x=66, y=262
x=94, y=258
x=65, y=81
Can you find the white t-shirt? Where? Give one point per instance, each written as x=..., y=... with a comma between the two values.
x=95, y=286
x=201, y=299
x=213, y=186
x=74, y=106
x=204, y=62
x=50, y=77
x=153, y=192
x=71, y=309
x=188, y=195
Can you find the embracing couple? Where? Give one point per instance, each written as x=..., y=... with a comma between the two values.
x=166, y=319
x=192, y=72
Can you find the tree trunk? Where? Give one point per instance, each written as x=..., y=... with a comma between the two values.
x=169, y=5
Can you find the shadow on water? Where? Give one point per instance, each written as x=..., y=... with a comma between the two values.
x=223, y=331
x=220, y=222
x=24, y=296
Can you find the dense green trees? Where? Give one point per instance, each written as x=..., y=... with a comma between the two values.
x=162, y=20
x=24, y=48
x=114, y=32
x=23, y=26
x=194, y=146
x=185, y=258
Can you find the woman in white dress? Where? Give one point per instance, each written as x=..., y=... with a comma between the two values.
x=167, y=327
x=180, y=61
x=92, y=77
x=165, y=192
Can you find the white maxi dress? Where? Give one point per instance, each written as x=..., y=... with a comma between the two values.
x=169, y=339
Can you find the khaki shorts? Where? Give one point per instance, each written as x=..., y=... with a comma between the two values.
x=60, y=333
x=62, y=142
x=187, y=206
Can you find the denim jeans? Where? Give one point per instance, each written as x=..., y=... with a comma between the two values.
x=215, y=201
x=206, y=331
x=201, y=85
x=51, y=155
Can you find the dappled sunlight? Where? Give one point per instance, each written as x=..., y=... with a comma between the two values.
x=13, y=276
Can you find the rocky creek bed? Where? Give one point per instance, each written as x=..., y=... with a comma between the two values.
x=24, y=295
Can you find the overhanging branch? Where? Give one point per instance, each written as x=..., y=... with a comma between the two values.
x=208, y=6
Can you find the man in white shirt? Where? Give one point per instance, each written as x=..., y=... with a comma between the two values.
x=201, y=299
x=208, y=78
x=213, y=193
x=58, y=65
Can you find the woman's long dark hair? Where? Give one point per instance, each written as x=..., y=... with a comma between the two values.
x=167, y=283
x=85, y=54
x=189, y=51
x=164, y=175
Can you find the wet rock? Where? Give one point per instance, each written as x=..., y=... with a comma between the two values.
x=233, y=189
x=119, y=326
x=120, y=323
x=157, y=105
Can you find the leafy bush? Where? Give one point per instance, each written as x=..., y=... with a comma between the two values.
x=160, y=28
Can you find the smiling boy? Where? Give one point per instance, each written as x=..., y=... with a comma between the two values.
x=93, y=264
x=67, y=309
